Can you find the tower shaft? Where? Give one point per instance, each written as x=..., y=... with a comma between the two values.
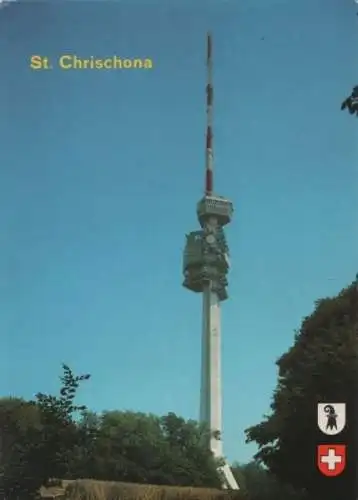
x=210, y=391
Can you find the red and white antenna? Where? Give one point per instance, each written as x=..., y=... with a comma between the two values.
x=209, y=156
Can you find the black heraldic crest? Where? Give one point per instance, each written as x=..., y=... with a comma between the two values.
x=331, y=417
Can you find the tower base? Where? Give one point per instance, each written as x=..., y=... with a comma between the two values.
x=228, y=479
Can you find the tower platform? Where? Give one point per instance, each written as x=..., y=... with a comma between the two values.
x=214, y=206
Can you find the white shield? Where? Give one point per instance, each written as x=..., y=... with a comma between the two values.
x=331, y=417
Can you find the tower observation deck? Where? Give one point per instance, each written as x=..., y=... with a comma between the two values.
x=206, y=255
x=205, y=268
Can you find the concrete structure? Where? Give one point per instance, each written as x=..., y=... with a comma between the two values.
x=205, y=268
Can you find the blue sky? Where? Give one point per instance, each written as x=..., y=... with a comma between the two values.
x=100, y=175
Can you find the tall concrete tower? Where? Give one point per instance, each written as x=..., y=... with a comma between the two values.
x=205, y=266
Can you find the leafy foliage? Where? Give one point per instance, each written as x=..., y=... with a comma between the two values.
x=141, y=448
x=351, y=102
x=37, y=437
x=320, y=366
x=53, y=437
x=259, y=484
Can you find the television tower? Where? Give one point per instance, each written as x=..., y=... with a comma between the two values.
x=205, y=267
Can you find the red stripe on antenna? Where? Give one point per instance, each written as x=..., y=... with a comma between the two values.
x=209, y=94
x=209, y=182
x=209, y=46
x=209, y=137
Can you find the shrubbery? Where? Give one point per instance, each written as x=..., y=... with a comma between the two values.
x=52, y=437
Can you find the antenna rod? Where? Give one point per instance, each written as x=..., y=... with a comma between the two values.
x=209, y=114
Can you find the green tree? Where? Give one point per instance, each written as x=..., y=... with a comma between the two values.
x=38, y=446
x=130, y=447
x=81, y=462
x=259, y=484
x=351, y=102
x=320, y=366
x=142, y=448
x=18, y=420
x=52, y=437
x=191, y=462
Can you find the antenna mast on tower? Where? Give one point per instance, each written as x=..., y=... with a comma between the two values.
x=209, y=155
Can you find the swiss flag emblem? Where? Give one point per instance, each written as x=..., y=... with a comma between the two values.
x=331, y=459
